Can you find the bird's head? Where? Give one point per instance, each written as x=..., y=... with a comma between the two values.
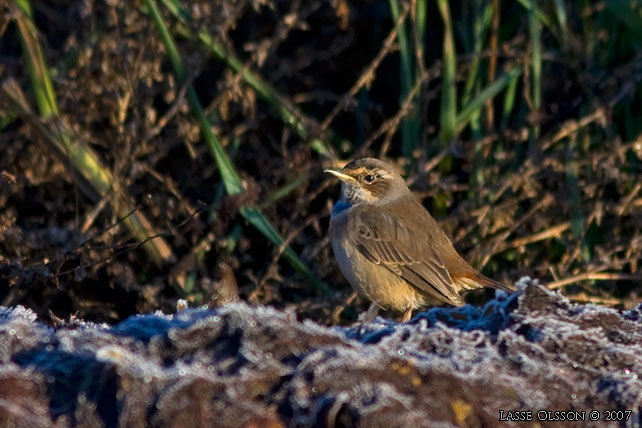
x=370, y=181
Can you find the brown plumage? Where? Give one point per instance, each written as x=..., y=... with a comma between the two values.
x=389, y=247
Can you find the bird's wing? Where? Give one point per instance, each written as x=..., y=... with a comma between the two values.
x=384, y=240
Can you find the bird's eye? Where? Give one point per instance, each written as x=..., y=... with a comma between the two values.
x=369, y=178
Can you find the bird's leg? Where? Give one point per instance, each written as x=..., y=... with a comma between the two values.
x=339, y=309
x=406, y=315
x=372, y=313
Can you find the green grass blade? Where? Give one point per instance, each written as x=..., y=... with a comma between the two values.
x=481, y=24
x=531, y=7
x=82, y=157
x=420, y=27
x=404, y=48
x=289, y=114
x=509, y=101
x=231, y=179
x=562, y=21
x=448, y=84
x=284, y=191
x=420, y=22
x=577, y=217
x=233, y=185
x=258, y=220
x=42, y=88
x=536, y=65
x=408, y=137
x=487, y=93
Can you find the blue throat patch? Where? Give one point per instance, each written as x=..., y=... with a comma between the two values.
x=339, y=207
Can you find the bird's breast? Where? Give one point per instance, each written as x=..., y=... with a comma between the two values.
x=373, y=281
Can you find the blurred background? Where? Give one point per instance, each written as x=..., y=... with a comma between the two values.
x=160, y=150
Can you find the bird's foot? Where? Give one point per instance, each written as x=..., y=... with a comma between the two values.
x=370, y=314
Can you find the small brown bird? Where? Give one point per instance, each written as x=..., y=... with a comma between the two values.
x=389, y=247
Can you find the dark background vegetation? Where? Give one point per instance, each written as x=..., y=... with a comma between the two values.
x=541, y=177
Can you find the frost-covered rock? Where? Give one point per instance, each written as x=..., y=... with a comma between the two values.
x=236, y=366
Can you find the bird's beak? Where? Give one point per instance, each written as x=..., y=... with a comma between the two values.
x=341, y=176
